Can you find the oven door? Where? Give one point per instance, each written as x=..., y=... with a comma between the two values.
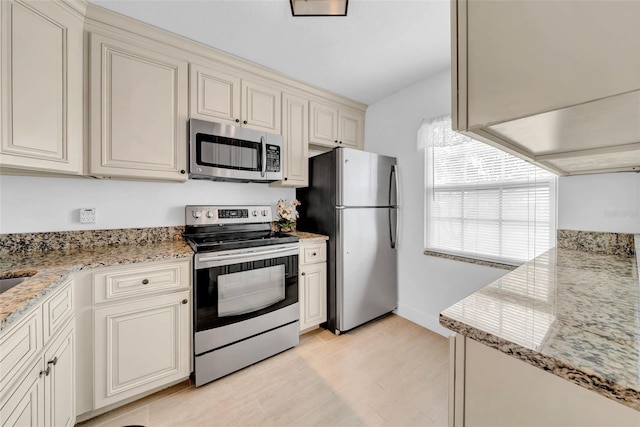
x=233, y=286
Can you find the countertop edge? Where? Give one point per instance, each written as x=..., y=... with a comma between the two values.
x=581, y=377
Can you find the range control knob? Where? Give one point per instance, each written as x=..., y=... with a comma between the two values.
x=264, y=213
x=254, y=213
x=210, y=214
x=196, y=214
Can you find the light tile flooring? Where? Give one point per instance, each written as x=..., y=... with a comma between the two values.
x=389, y=372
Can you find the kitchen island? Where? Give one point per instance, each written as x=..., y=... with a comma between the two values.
x=556, y=341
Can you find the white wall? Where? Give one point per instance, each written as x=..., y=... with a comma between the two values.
x=427, y=285
x=603, y=202
x=37, y=204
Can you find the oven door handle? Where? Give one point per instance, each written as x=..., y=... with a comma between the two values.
x=251, y=255
x=264, y=157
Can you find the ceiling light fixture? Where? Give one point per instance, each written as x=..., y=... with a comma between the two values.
x=319, y=7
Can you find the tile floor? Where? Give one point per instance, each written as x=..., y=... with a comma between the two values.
x=389, y=372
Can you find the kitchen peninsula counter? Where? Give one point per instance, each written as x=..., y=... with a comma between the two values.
x=50, y=268
x=572, y=313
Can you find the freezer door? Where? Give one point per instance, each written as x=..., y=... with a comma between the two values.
x=365, y=179
x=366, y=261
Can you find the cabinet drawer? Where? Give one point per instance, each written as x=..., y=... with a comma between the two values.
x=310, y=253
x=140, y=280
x=19, y=345
x=57, y=309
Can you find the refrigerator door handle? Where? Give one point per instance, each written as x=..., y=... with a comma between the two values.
x=393, y=227
x=393, y=185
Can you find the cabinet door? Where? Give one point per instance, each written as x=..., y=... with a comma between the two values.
x=140, y=345
x=313, y=295
x=59, y=384
x=138, y=111
x=261, y=107
x=323, y=125
x=295, y=123
x=215, y=95
x=41, y=106
x=351, y=129
x=24, y=406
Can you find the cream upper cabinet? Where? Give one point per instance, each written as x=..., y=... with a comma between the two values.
x=323, y=124
x=42, y=82
x=261, y=107
x=214, y=95
x=351, y=128
x=556, y=82
x=336, y=126
x=295, y=134
x=138, y=111
x=221, y=96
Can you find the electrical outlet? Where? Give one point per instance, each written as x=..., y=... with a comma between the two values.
x=88, y=215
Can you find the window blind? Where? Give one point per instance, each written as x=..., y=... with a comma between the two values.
x=483, y=202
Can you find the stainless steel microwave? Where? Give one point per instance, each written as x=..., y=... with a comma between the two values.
x=229, y=153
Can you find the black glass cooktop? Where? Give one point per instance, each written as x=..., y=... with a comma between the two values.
x=224, y=241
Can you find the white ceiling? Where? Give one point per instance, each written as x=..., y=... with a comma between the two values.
x=380, y=47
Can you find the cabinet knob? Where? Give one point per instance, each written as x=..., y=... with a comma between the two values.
x=184, y=301
x=314, y=254
x=145, y=281
x=340, y=142
x=285, y=178
x=336, y=141
x=182, y=171
x=302, y=273
x=45, y=372
x=244, y=122
x=53, y=361
x=237, y=120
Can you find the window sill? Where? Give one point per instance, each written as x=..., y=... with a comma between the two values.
x=470, y=260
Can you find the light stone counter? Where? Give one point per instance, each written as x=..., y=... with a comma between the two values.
x=573, y=313
x=307, y=236
x=48, y=269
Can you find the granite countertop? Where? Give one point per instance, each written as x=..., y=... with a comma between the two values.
x=575, y=314
x=51, y=268
x=305, y=235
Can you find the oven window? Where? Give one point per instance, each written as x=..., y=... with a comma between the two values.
x=248, y=291
x=236, y=292
x=228, y=153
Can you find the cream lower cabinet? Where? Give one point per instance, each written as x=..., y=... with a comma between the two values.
x=134, y=326
x=220, y=96
x=38, y=386
x=41, y=110
x=490, y=388
x=332, y=125
x=312, y=278
x=138, y=111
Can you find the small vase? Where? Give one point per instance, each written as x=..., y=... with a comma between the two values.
x=287, y=228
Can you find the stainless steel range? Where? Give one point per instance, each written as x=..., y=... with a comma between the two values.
x=245, y=288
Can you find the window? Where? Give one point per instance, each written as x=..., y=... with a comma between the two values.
x=482, y=202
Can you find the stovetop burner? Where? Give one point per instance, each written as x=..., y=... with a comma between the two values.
x=211, y=228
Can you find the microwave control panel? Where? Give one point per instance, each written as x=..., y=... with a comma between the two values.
x=273, y=158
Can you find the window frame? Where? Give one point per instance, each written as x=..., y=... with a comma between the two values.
x=429, y=189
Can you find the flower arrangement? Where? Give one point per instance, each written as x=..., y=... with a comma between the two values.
x=287, y=214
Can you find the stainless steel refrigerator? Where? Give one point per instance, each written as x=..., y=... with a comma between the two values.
x=353, y=198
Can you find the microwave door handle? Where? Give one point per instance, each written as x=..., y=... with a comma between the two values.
x=264, y=157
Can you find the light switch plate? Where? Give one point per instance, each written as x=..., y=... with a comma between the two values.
x=88, y=215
